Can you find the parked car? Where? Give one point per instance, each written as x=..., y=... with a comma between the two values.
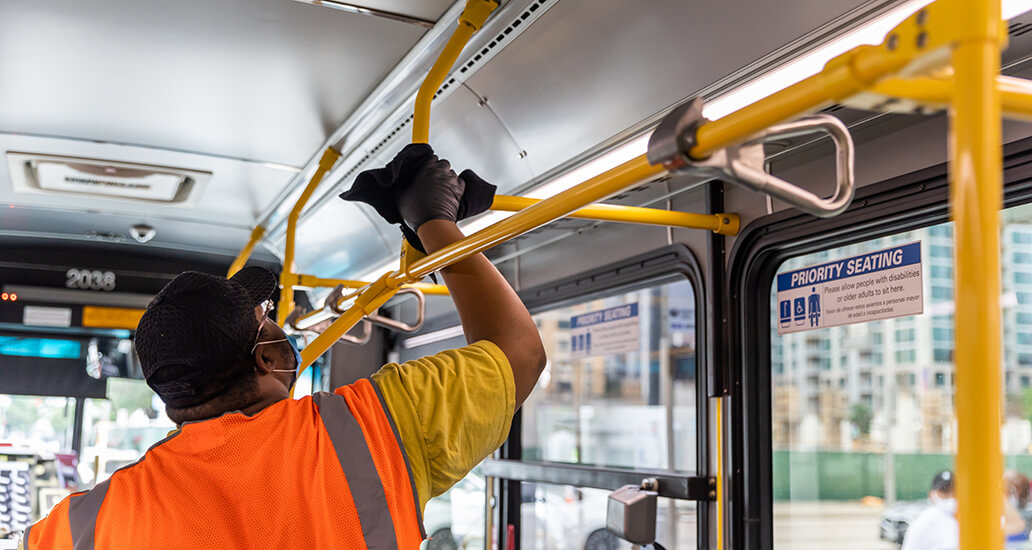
x=896, y=518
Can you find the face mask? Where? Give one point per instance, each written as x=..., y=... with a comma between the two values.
x=293, y=348
x=948, y=505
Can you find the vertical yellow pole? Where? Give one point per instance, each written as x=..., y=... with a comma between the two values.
x=472, y=18
x=719, y=407
x=976, y=197
x=288, y=275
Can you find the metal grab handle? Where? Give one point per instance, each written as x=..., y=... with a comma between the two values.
x=743, y=164
x=317, y=322
x=760, y=180
x=401, y=326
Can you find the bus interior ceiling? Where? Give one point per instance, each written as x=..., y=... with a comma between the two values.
x=239, y=98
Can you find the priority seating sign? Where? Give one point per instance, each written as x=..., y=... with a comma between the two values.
x=878, y=285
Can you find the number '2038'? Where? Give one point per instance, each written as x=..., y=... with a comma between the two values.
x=90, y=279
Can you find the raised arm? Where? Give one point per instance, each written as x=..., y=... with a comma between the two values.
x=489, y=308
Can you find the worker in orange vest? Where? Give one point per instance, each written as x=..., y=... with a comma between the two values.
x=250, y=468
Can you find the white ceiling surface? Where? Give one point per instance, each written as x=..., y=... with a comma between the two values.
x=269, y=80
x=245, y=89
x=582, y=73
x=264, y=80
x=428, y=10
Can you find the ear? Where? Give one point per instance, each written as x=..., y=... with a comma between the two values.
x=267, y=359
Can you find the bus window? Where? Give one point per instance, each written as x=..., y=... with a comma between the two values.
x=39, y=424
x=119, y=429
x=455, y=519
x=863, y=414
x=617, y=392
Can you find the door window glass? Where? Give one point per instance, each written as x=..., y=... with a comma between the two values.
x=863, y=415
x=619, y=387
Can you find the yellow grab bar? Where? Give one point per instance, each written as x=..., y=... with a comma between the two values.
x=1015, y=93
x=238, y=263
x=286, y=302
x=472, y=18
x=725, y=224
x=311, y=281
x=632, y=172
x=629, y=173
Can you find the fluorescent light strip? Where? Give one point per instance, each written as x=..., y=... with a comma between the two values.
x=432, y=337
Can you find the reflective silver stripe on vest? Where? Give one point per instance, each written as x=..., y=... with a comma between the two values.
x=82, y=516
x=404, y=455
x=25, y=538
x=353, y=454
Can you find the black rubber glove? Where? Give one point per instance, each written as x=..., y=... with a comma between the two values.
x=433, y=193
x=384, y=188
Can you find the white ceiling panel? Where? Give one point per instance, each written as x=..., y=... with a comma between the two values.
x=588, y=70
x=257, y=79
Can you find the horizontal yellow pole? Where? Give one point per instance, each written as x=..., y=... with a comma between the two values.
x=1015, y=93
x=595, y=189
x=256, y=235
x=472, y=18
x=725, y=224
x=311, y=281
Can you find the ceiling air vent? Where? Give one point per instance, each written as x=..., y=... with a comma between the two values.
x=57, y=175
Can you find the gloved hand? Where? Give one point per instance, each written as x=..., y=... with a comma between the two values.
x=416, y=187
x=433, y=193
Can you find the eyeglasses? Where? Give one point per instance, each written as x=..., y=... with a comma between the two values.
x=266, y=308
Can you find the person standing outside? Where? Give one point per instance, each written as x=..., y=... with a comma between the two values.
x=936, y=527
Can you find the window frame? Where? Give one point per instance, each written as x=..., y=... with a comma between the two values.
x=668, y=264
x=911, y=201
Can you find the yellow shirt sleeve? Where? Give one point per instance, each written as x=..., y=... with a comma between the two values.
x=452, y=410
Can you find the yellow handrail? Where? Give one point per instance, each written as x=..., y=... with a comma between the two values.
x=1015, y=93
x=311, y=281
x=472, y=18
x=286, y=302
x=725, y=224
x=256, y=235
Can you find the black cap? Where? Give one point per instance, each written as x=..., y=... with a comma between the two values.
x=196, y=329
x=943, y=481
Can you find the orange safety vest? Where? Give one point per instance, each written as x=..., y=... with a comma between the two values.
x=326, y=471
